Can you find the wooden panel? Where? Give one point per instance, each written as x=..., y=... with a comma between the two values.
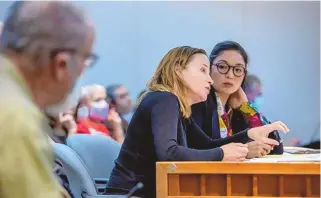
x=268, y=185
x=173, y=185
x=312, y=168
x=190, y=185
x=255, y=186
x=308, y=187
x=220, y=197
x=228, y=185
x=315, y=183
x=215, y=185
x=242, y=185
x=281, y=185
x=161, y=182
x=219, y=179
x=203, y=185
x=294, y=185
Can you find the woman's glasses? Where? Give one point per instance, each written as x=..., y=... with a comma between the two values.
x=224, y=68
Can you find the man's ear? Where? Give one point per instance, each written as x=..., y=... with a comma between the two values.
x=60, y=65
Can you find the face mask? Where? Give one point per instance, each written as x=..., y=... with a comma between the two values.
x=258, y=102
x=69, y=103
x=82, y=113
x=99, y=110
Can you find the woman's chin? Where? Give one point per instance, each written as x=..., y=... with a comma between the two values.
x=202, y=98
x=227, y=91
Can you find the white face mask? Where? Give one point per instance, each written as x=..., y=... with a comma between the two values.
x=99, y=110
x=70, y=102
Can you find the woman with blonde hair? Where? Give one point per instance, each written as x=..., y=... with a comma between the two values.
x=160, y=130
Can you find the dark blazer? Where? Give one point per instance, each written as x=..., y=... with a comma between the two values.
x=158, y=132
x=206, y=116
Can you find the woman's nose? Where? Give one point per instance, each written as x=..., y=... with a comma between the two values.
x=210, y=80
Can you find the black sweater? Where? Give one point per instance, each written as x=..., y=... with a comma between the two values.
x=158, y=132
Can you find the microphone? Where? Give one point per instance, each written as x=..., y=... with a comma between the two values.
x=138, y=186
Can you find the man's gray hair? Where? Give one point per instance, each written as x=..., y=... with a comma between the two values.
x=36, y=27
x=251, y=81
x=88, y=91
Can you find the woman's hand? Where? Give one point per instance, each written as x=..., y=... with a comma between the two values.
x=67, y=120
x=116, y=123
x=113, y=118
x=261, y=133
x=234, y=152
x=237, y=99
x=258, y=149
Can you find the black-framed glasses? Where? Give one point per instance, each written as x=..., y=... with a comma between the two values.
x=90, y=58
x=224, y=68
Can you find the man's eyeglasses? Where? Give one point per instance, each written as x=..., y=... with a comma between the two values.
x=90, y=58
x=224, y=68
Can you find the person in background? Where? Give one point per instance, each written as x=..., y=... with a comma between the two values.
x=227, y=110
x=139, y=97
x=39, y=67
x=160, y=129
x=94, y=114
x=62, y=121
x=253, y=89
x=312, y=143
x=119, y=98
x=61, y=117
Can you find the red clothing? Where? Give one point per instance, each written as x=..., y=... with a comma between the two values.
x=90, y=127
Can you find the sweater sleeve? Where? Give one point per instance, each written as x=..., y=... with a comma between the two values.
x=198, y=139
x=165, y=115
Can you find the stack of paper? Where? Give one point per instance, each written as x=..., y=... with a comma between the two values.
x=300, y=150
x=286, y=157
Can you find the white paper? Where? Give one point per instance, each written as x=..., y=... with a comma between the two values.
x=286, y=157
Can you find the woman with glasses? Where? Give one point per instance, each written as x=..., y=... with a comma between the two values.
x=227, y=110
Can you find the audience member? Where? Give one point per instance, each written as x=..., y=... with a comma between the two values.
x=39, y=67
x=253, y=89
x=62, y=119
x=95, y=114
x=312, y=143
x=139, y=97
x=161, y=131
x=119, y=98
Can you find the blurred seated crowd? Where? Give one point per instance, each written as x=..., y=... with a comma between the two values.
x=96, y=110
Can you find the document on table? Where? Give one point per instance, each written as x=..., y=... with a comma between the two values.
x=286, y=157
x=300, y=150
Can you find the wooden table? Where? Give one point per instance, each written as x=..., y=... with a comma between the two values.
x=226, y=179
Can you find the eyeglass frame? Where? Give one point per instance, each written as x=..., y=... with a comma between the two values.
x=229, y=68
x=87, y=56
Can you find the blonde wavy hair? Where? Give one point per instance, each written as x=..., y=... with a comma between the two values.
x=166, y=77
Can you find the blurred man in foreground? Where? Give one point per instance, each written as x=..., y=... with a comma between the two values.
x=45, y=47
